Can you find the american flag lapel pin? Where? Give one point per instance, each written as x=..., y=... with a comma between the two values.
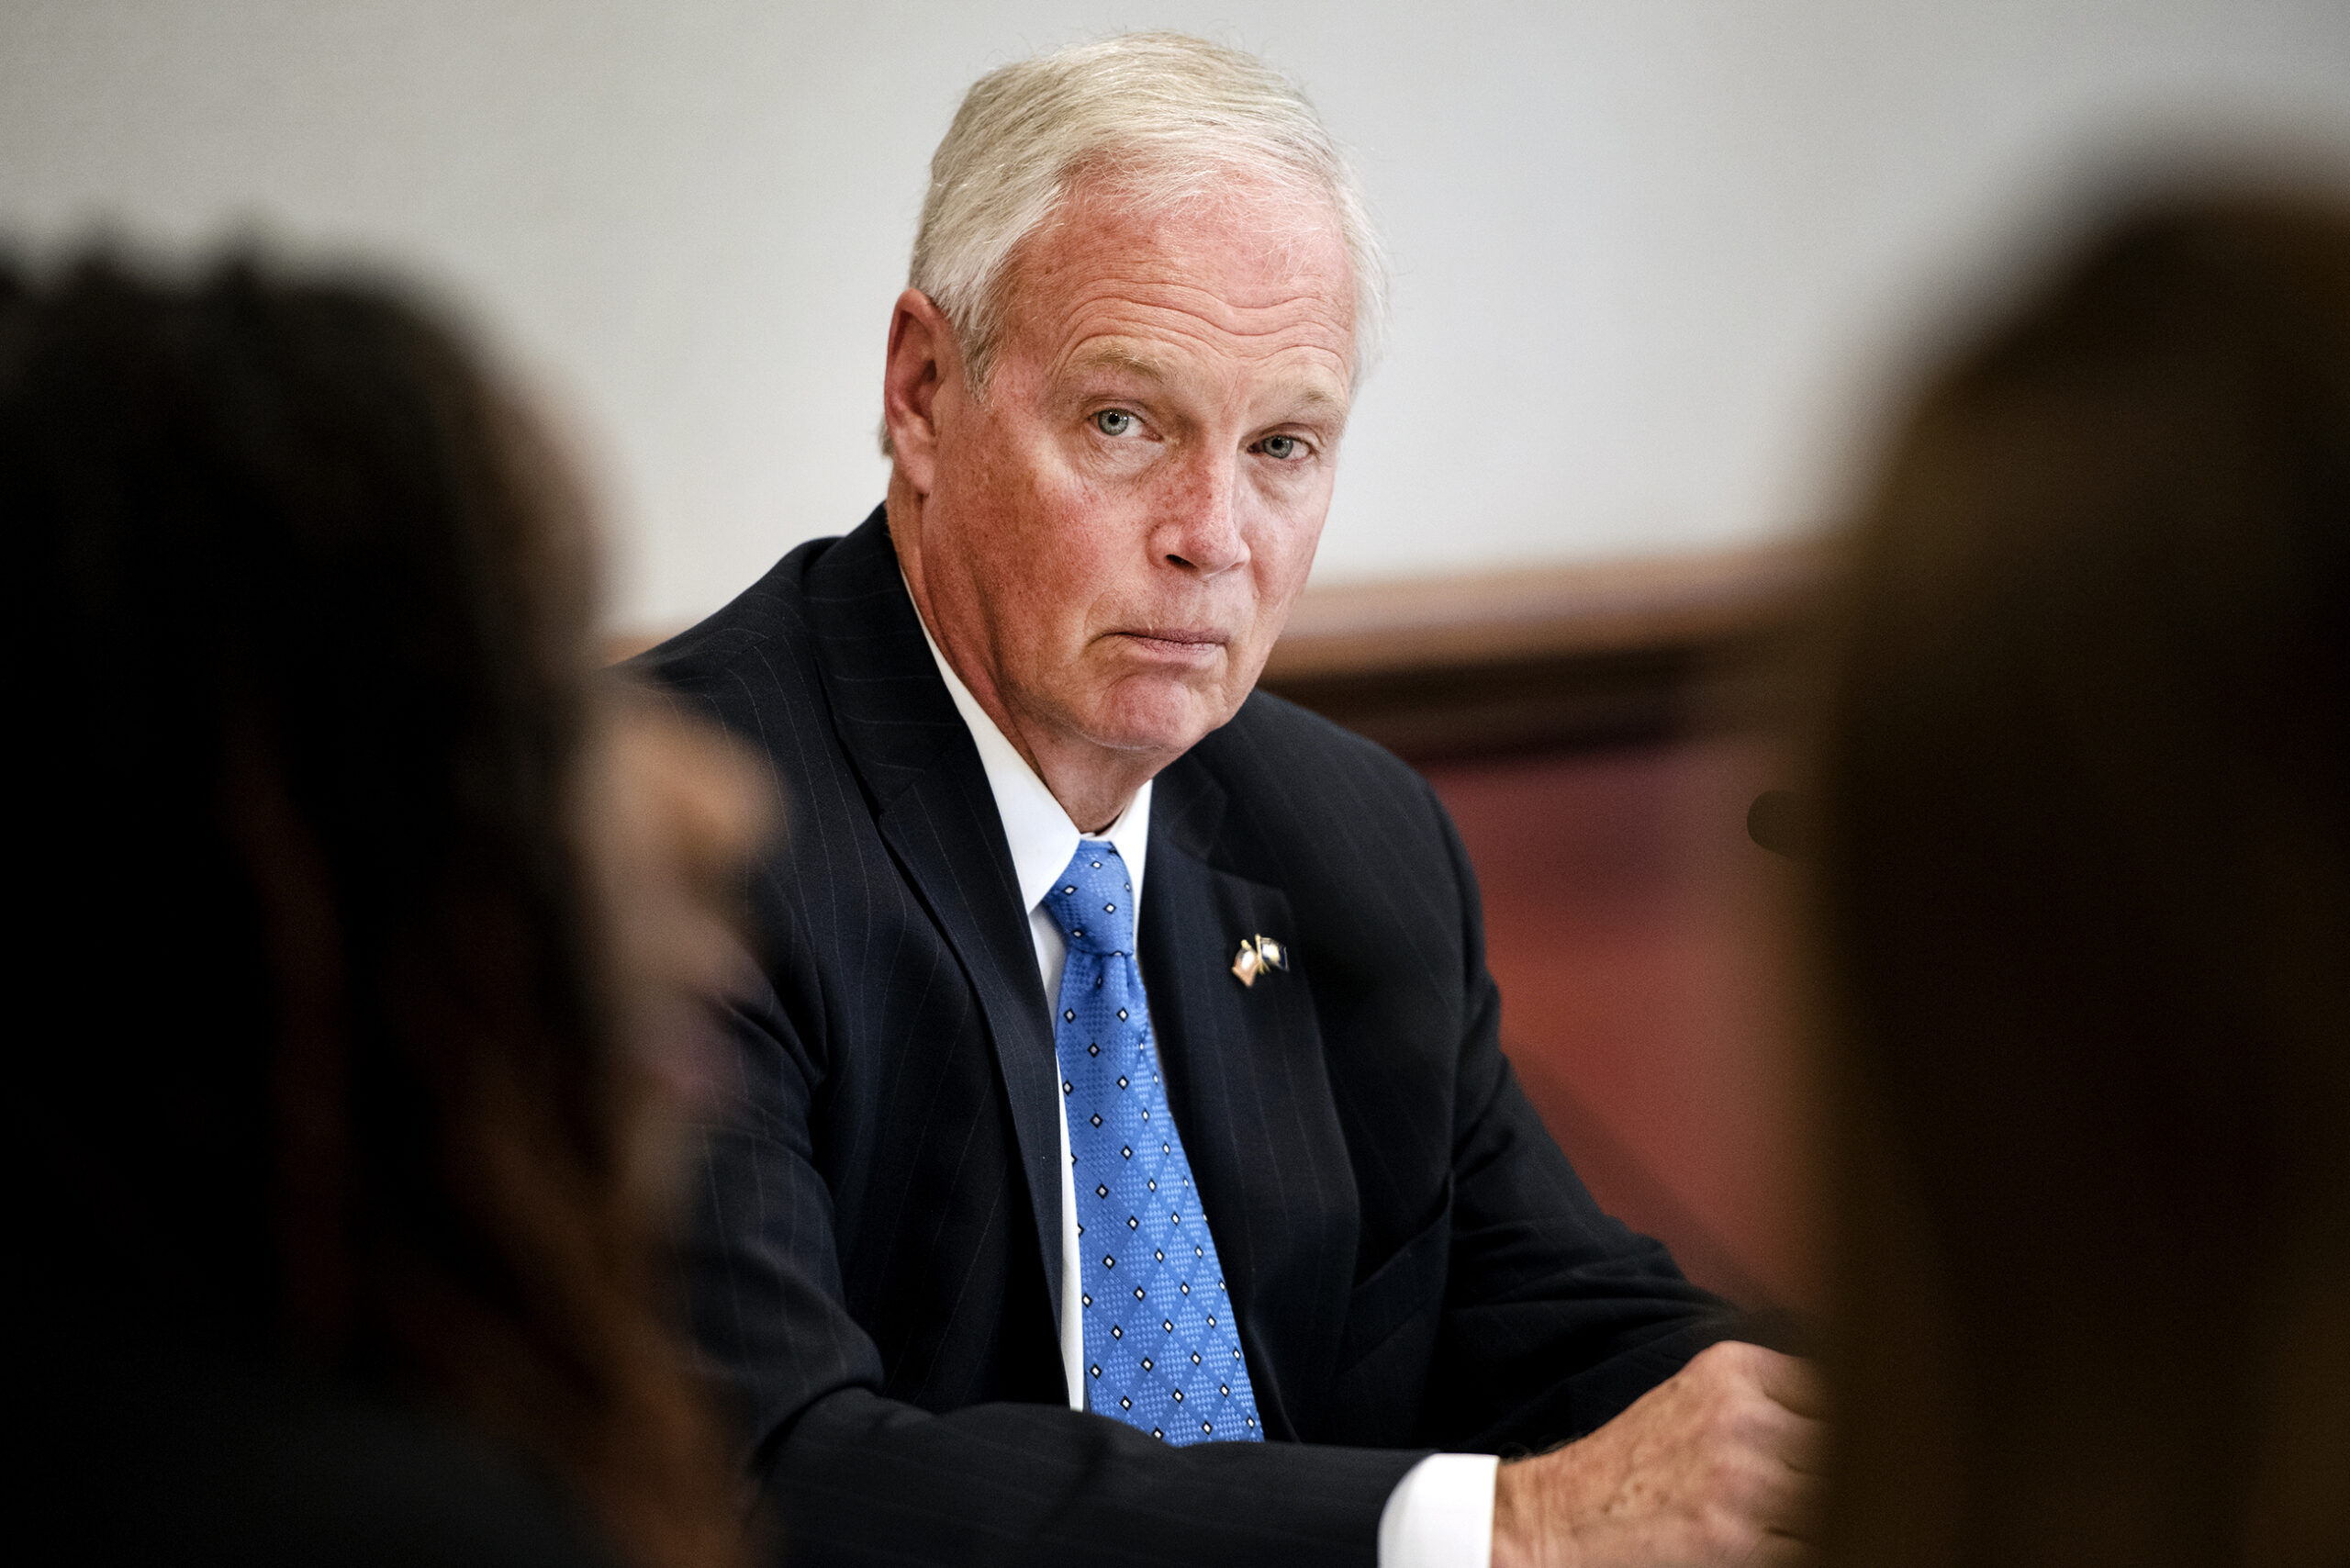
x=1256, y=955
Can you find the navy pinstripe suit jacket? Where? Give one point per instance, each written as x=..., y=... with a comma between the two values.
x=875, y=1252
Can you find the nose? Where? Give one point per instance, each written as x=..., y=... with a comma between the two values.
x=1200, y=529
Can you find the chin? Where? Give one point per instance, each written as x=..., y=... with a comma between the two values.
x=1163, y=716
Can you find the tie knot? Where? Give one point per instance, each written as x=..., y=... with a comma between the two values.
x=1093, y=900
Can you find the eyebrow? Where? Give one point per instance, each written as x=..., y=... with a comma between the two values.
x=1117, y=357
x=1314, y=399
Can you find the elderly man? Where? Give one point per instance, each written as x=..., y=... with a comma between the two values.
x=1123, y=1165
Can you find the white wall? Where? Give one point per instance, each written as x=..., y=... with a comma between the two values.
x=1653, y=253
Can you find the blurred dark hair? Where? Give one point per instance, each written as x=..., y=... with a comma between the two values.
x=2084, y=872
x=311, y=1060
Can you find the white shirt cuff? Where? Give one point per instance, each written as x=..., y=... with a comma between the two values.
x=1440, y=1515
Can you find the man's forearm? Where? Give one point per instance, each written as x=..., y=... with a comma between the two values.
x=863, y=1479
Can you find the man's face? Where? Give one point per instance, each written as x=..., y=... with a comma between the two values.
x=1116, y=529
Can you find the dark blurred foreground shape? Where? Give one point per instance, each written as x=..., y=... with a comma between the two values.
x=2084, y=879
x=328, y=1238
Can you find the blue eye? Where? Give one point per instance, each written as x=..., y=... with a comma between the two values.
x=1114, y=421
x=1281, y=448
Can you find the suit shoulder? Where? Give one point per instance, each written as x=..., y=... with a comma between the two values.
x=727, y=660
x=1296, y=769
x=1273, y=731
x=774, y=606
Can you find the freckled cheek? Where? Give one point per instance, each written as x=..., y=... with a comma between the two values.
x=1281, y=550
x=1051, y=497
x=1066, y=581
x=1102, y=538
x=1009, y=521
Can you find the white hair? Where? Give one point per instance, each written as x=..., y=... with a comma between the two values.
x=1168, y=117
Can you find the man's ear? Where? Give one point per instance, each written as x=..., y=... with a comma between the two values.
x=922, y=361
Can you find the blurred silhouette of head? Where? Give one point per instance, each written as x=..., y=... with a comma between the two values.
x=2083, y=878
x=315, y=1057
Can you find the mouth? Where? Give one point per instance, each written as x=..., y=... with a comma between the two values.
x=1179, y=644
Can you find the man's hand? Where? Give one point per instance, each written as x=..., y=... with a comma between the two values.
x=1717, y=1465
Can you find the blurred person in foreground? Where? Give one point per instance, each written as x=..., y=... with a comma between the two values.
x=1044, y=1233
x=333, y=1115
x=2084, y=882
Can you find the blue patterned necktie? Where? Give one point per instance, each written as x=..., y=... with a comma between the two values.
x=1161, y=1350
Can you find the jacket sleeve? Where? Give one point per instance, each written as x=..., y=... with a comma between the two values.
x=850, y=1476
x=1556, y=1316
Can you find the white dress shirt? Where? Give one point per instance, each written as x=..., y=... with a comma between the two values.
x=1441, y=1514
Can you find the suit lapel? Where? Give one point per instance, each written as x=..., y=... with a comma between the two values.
x=1251, y=1095
x=937, y=815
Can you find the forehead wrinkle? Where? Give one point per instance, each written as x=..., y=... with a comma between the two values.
x=1147, y=338
x=1291, y=227
x=1145, y=309
x=1157, y=356
x=1098, y=273
x=1156, y=293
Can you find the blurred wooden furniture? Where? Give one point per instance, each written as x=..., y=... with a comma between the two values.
x=1541, y=659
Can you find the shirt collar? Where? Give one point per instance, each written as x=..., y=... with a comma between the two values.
x=1042, y=838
